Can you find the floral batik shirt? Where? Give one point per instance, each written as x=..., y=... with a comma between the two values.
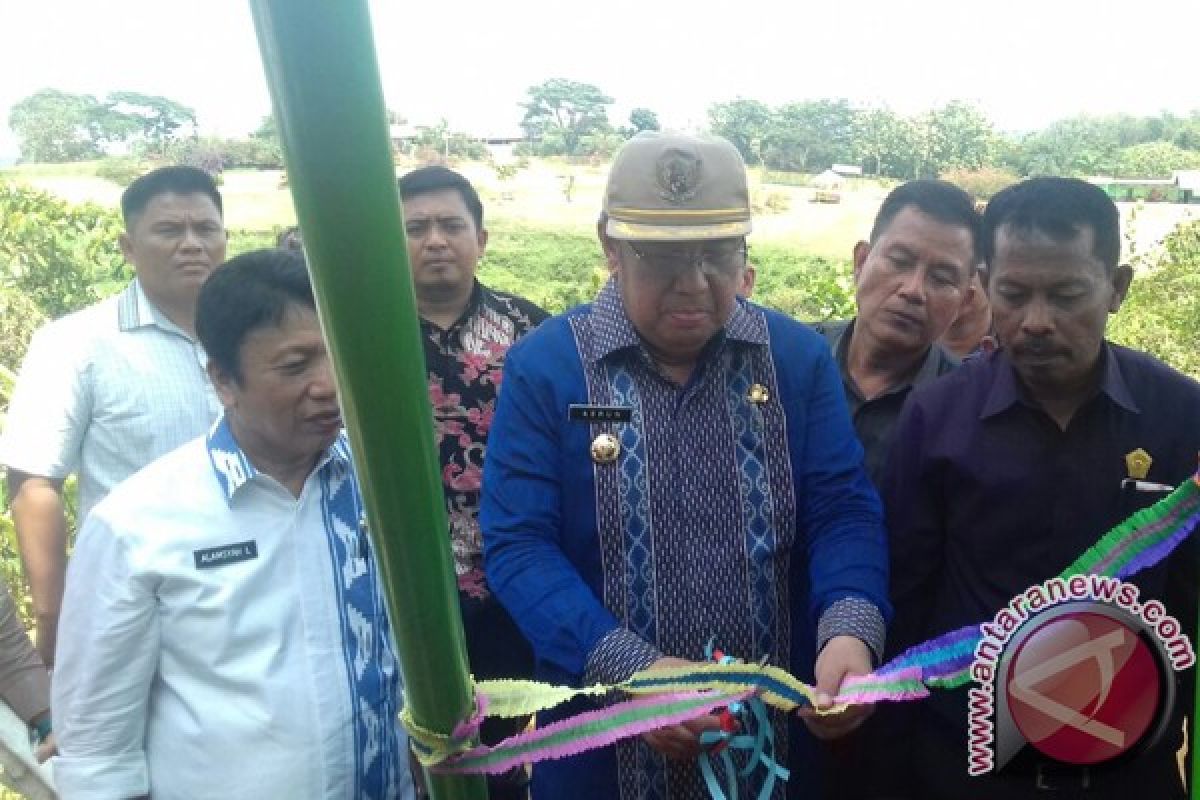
x=465, y=364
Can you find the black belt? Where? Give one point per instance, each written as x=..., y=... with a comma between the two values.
x=1049, y=776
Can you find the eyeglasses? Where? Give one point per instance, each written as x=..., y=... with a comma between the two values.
x=718, y=261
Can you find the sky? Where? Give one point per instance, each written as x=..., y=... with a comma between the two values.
x=1023, y=62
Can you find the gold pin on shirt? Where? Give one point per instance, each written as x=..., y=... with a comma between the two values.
x=758, y=394
x=605, y=448
x=1138, y=463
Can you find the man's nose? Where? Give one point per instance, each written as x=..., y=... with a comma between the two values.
x=691, y=278
x=191, y=239
x=323, y=384
x=912, y=287
x=1038, y=319
x=435, y=237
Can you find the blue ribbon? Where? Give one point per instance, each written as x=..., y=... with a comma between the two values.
x=756, y=738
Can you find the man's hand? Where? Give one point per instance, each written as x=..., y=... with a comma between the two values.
x=681, y=742
x=46, y=748
x=37, y=510
x=841, y=656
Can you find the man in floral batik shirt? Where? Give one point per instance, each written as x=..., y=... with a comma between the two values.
x=467, y=329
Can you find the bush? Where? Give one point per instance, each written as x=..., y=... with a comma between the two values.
x=801, y=179
x=763, y=202
x=215, y=154
x=506, y=172
x=121, y=171
x=20, y=318
x=555, y=269
x=1161, y=315
x=981, y=183
x=60, y=256
x=809, y=288
x=559, y=270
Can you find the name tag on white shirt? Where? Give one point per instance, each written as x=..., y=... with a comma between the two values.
x=225, y=554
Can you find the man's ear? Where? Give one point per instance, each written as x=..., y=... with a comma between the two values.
x=749, y=275
x=612, y=255
x=223, y=383
x=1122, y=277
x=861, y=251
x=483, y=240
x=126, y=244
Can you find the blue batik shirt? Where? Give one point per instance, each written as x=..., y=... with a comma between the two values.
x=737, y=508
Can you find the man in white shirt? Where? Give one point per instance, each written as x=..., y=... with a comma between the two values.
x=107, y=390
x=224, y=633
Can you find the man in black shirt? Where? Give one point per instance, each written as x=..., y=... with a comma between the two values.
x=911, y=280
x=467, y=329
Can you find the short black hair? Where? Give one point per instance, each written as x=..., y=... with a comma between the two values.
x=435, y=178
x=167, y=180
x=248, y=292
x=1059, y=208
x=943, y=201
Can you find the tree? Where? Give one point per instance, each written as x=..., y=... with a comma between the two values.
x=956, y=136
x=438, y=142
x=643, y=119
x=267, y=130
x=878, y=137
x=157, y=118
x=269, y=150
x=1156, y=160
x=56, y=126
x=1079, y=145
x=1186, y=133
x=811, y=136
x=565, y=111
x=744, y=122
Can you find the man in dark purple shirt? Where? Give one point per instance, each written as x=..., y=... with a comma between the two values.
x=1005, y=471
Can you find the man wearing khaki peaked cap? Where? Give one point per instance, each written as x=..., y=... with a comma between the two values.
x=672, y=463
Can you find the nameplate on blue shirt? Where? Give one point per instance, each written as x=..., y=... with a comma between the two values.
x=225, y=554
x=580, y=412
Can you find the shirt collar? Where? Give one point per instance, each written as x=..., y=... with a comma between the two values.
x=478, y=298
x=614, y=331
x=1006, y=391
x=135, y=310
x=234, y=470
x=930, y=367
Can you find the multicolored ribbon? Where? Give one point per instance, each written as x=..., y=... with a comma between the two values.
x=661, y=697
x=1141, y=541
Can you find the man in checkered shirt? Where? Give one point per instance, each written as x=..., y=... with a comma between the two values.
x=110, y=388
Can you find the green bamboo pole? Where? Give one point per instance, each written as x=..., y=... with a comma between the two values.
x=320, y=63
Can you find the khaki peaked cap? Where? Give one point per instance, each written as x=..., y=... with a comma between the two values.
x=673, y=187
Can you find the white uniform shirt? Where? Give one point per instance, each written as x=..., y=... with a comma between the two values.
x=221, y=638
x=105, y=391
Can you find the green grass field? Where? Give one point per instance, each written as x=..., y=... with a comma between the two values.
x=535, y=197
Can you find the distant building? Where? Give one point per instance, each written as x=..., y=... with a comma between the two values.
x=847, y=170
x=830, y=180
x=1188, y=181
x=500, y=144
x=1182, y=187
